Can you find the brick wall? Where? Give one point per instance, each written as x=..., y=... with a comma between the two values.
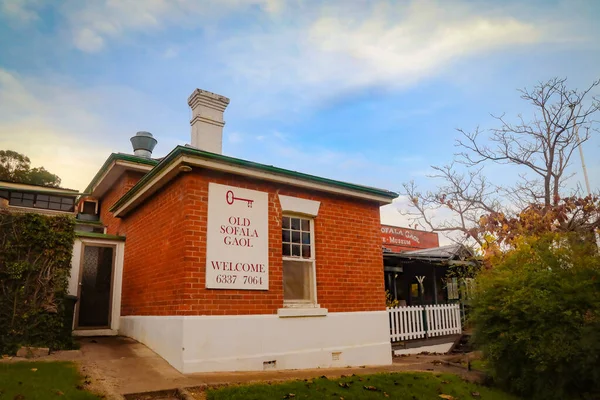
x=122, y=186
x=164, y=269
x=154, y=269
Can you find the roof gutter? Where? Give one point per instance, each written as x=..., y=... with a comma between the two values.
x=134, y=162
x=169, y=167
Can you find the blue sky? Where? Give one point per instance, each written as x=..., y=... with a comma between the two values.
x=364, y=91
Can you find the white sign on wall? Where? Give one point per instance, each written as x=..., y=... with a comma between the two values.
x=237, y=238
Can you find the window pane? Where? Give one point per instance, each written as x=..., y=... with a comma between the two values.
x=89, y=207
x=296, y=280
x=66, y=207
x=54, y=206
x=42, y=197
x=305, y=238
x=306, y=225
x=306, y=251
x=55, y=199
x=21, y=199
x=286, y=236
x=285, y=249
x=286, y=223
x=296, y=250
x=296, y=224
x=295, y=237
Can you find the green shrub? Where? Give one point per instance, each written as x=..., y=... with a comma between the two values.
x=536, y=316
x=35, y=263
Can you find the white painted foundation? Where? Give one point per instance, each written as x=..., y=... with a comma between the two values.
x=438, y=348
x=245, y=343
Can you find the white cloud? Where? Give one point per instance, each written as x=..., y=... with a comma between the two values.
x=94, y=23
x=331, y=50
x=88, y=40
x=299, y=53
x=171, y=52
x=22, y=11
x=71, y=130
x=235, y=137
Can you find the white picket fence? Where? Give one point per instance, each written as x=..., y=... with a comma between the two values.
x=414, y=322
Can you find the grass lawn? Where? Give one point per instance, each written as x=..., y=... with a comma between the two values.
x=400, y=386
x=479, y=365
x=41, y=380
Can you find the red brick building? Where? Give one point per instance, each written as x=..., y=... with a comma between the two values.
x=224, y=264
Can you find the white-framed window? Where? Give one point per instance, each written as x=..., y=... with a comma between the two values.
x=452, y=288
x=298, y=253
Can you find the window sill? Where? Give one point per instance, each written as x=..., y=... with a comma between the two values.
x=297, y=312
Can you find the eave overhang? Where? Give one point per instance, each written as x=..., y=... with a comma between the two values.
x=181, y=156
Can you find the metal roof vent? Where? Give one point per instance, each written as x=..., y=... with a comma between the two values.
x=143, y=144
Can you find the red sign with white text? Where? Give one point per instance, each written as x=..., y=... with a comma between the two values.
x=399, y=239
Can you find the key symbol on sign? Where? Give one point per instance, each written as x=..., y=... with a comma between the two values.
x=230, y=197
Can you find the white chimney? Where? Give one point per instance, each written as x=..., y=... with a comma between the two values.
x=207, y=120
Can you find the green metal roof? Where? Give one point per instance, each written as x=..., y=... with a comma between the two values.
x=114, y=157
x=41, y=189
x=93, y=235
x=190, y=151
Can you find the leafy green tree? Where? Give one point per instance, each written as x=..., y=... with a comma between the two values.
x=536, y=316
x=16, y=167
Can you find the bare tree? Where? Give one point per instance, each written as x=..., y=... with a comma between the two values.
x=542, y=145
x=464, y=196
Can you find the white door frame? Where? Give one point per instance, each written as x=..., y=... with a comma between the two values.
x=117, y=280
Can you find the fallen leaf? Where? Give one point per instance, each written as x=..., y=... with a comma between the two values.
x=34, y=369
x=344, y=385
x=445, y=382
x=79, y=387
x=19, y=397
x=475, y=394
x=371, y=388
x=385, y=394
x=447, y=397
x=59, y=393
x=289, y=396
